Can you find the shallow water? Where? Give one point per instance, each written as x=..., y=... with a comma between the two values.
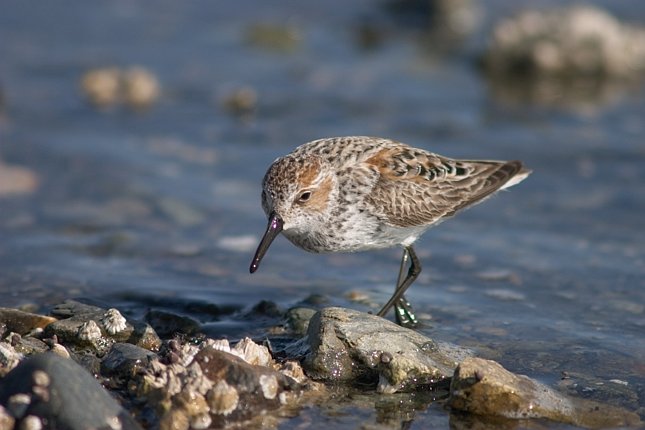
x=160, y=209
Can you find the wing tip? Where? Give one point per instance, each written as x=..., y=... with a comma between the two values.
x=517, y=173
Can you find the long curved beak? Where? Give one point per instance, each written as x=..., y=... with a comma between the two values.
x=273, y=229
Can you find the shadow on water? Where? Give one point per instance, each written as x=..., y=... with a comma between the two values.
x=159, y=209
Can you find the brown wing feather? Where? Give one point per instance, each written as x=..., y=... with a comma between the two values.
x=416, y=187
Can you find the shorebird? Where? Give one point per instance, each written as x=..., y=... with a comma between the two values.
x=357, y=193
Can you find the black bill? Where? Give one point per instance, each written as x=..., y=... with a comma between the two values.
x=273, y=229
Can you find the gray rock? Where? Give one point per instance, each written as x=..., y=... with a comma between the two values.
x=71, y=329
x=61, y=393
x=30, y=345
x=484, y=387
x=579, y=41
x=168, y=324
x=298, y=319
x=241, y=390
x=124, y=360
x=351, y=346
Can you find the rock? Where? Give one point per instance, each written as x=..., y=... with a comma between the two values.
x=106, y=87
x=241, y=102
x=101, y=86
x=206, y=385
x=579, y=58
x=484, y=387
x=351, y=346
x=274, y=37
x=168, y=324
x=30, y=345
x=74, y=328
x=140, y=88
x=23, y=322
x=9, y=358
x=60, y=392
x=578, y=41
x=17, y=180
x=124, y=360
x=240, y=390
x=298, y=319
x=6, y=420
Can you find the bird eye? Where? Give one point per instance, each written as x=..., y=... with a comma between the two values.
x=304, y=196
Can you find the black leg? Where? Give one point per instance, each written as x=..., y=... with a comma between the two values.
x=404, y=314
x=404, y=310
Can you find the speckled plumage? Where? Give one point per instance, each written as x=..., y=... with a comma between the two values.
x=357, y=193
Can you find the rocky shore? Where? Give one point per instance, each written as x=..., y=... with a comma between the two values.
x=83, y=367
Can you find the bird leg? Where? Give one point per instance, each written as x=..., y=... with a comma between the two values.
x=404, y=314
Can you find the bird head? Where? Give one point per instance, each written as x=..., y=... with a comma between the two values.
x=296, y=192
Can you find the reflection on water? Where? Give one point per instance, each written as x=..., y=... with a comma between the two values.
x=155, y=209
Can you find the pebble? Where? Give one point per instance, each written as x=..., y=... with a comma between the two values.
x=124, y=360
x=484, y=387
x=135, y=87
x=22, y=322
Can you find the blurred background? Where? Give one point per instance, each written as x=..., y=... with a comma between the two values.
x=134, y=137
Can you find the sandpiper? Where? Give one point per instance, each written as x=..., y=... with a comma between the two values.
x=356, y=193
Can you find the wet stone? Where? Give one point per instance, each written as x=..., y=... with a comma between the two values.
x=212, y=384
x=74, y=327
x=484, y=387
x=51, y=388
x=241, y=390
x=30, y=345
x=6, y=420
x=31, y=422
x=124, y=360
x=354, y=347
x=16, y=180
x=274, y=37
x=580, y=41
x=141, y=88
x=298, y=319
x=106, y=87
x=89, y=361
x=23, y=322
x=9, y=358
x=168, y=324
x=266, y=308
x=241, y=102
x=59, y=350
